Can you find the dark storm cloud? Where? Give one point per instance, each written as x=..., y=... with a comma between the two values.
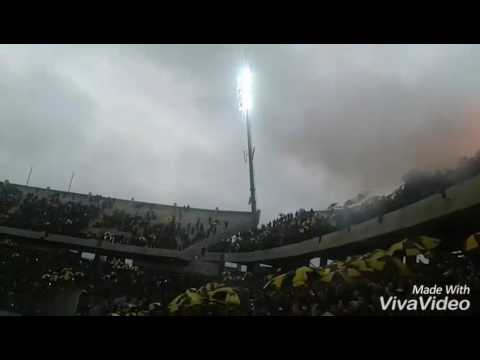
x=160, y=123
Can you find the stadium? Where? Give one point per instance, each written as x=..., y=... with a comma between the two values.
x=411, y=249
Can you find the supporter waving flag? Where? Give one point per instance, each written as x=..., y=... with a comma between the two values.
x=301, y=277
x=406, y=247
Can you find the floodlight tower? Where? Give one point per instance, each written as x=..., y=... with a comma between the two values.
x=245, y=82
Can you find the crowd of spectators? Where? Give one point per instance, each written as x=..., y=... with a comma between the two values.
x=54, y=214
x=9, y=197
x=286, y=229
x=416, y=185
x=59, y=213
x=146, y=231
x=362, y=296
x=107, y=285
x=111, y=286
x=303, y=225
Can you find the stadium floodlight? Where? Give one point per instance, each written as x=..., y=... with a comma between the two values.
x=245, y=99
x=244, y=83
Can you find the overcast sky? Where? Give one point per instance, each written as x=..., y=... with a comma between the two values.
x=160, y=123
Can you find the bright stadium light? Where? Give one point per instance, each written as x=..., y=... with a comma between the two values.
x=244, y=86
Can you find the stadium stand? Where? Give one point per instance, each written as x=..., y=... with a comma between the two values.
x=352, y=285
x=303, y=225
x=114, y=220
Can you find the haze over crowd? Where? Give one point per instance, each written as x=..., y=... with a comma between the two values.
x=160, y=122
